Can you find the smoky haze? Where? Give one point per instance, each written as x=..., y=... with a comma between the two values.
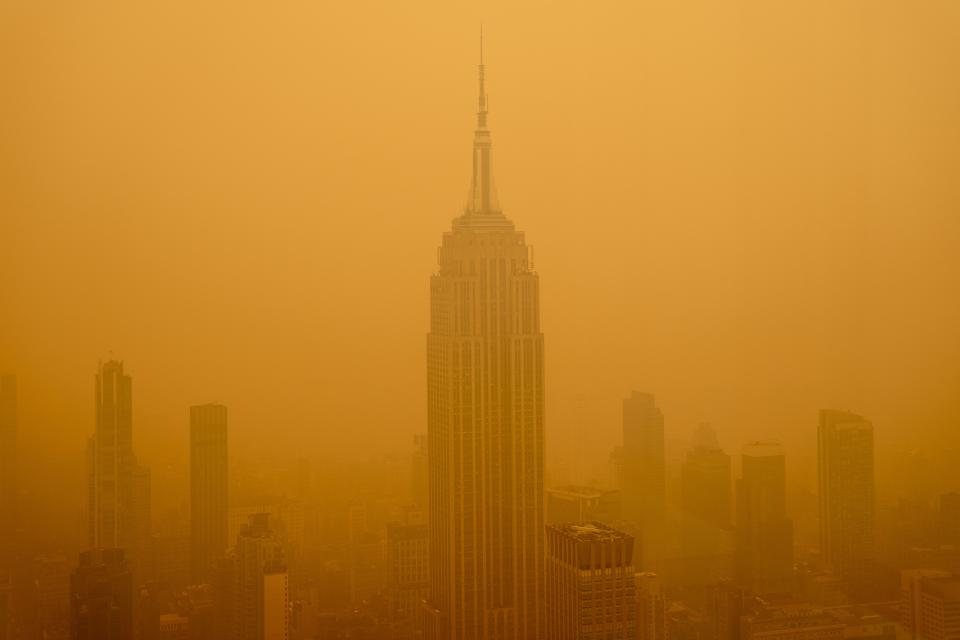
x=749, y=209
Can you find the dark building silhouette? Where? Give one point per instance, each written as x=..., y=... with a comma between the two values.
x=208, y=489
x=485, y=413
x=847, y=500
x=764, y=554
x=101, y=597
x=644, y=473
x=705, y=480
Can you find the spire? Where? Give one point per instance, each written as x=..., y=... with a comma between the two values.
x=482, y=199
x=482, y=111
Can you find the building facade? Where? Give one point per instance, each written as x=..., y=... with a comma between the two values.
x=847, y=507
x=208, y=489
x=485, y=423
x=591, y=591
x=644, y=470
x=764, y=554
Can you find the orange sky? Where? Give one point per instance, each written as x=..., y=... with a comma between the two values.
x=748, y=208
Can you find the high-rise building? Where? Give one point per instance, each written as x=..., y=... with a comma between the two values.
x=112, y=461
x=937, y=612
x=706, y=534
x=8, y=470
x=419, y=472
x=50, y=595
x=262, y=589
x=644, y=469
x=724, y=607
x=408, y=566
x=651, y=607
x=208, y=489
x=485, y=415
x=591, y=591
x=845, y=457
x=910, y=604
x=101, y=597
x=764, y=555
x=706, y=481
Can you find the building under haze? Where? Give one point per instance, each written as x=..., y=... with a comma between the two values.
x=933, y=610
x=262, y=583
x=764, y=554
x=8, y=471
x=485, y=422
x=101, y=597
x=847, y=518
x=208, y=489
x=574, y=503
x=651, y=607
x=590, y=582
x=644, y=468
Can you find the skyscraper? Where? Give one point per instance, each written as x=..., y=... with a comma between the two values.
x=112, y=461
x=591, y=593
x=845, y=442
x=101, y=597
x=764, y=561
x=485, y=424
x=118, y=488
x=644, y=469
x=651, y=608
x=208, y=489
x=8, y=470
x=705, y=481
x=262, y=587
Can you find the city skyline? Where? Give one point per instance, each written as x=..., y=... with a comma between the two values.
x=727, y=411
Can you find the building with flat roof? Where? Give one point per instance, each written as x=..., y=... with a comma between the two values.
x=591, y=589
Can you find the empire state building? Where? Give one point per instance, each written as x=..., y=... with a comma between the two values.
x=485, y=423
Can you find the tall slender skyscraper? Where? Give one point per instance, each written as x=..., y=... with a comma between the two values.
x=208, y=488
x=112, y=461
x=119, y=489
x=485, y=423
x=847, y=519
x=8, y=470
x=644, y=470
x=764, y=533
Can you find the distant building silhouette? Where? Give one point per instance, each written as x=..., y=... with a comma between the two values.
x=707, y=537
x=644, y=469
x=262, y=588
x=705, y=480
x=119, y=489
x=408, y=567
x=8, y=472
x=847, y=516
x=101, y=597
x=208, y=489
x=420, y=472
x=651, y=607
x=764, y=555
x=485, y=410
x=583, y=504
x=591, y=590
